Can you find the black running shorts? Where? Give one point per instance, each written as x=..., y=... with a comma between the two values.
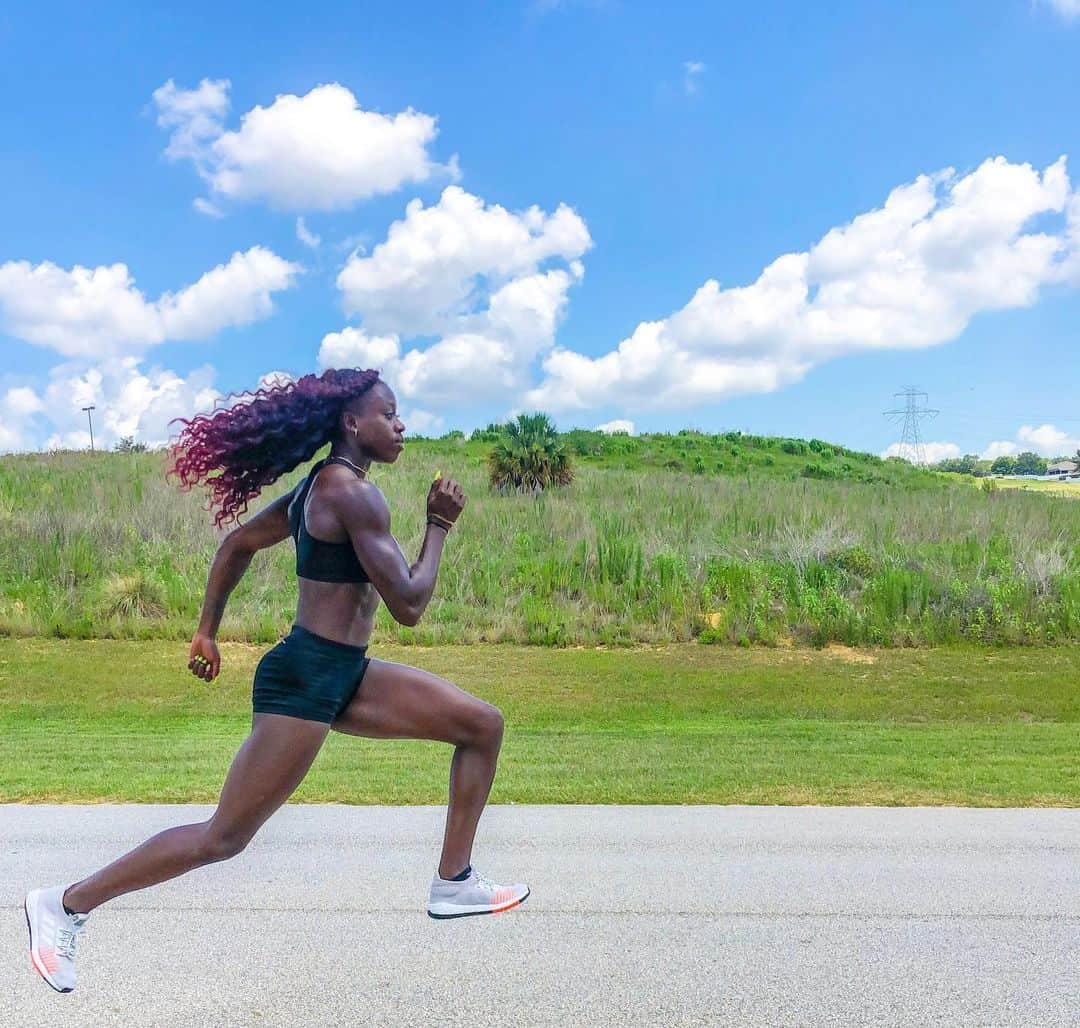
x=308, y=676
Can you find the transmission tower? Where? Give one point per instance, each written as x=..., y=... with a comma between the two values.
x=911, y=413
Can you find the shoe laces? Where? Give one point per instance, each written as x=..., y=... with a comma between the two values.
x=484, y=883
x=67, y=936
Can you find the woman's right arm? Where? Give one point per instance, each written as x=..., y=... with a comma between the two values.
x=406, y=590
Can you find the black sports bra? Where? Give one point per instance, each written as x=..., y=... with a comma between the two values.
x=317, y=559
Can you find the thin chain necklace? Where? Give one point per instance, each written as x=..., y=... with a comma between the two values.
x=345, y=460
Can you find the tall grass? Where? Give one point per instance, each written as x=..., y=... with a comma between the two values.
x=100, y=545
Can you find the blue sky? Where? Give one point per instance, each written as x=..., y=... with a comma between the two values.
x=659, y=150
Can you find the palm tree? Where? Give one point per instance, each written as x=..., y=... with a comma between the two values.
x=530, y=456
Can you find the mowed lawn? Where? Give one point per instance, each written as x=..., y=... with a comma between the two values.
x=125, y=722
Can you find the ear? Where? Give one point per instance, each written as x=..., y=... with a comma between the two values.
x=347, y=423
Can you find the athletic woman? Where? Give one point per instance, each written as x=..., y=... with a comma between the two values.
x=319, y=677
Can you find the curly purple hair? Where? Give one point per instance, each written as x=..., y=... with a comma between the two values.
x=262, y=436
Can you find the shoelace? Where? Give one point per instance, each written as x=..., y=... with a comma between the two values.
x=67, y=936
x=485, y=883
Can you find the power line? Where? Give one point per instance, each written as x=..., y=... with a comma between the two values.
x=910, y=438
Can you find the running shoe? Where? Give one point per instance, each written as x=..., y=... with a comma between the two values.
x=475, y=895
x=53, y=936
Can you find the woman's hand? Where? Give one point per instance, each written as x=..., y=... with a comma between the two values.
x=204, y=661
x=445, y=498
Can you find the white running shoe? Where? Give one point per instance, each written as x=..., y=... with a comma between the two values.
x=53, y=936
x=475, y=895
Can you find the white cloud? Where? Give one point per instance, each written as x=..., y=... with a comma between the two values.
x=353, y=348
x=129, y=401
x=911, y=274
x=99, y=312
x=274, y=378
x=422, y=422
x=11, y=440
x=476, y=276
x=932, y=452
x=320, y=151
x=306, y=236
x=207, y=208
x=1047, y=440
x=20, y=402
x=433, y=264
x=618, y=425
x=1068, y=9
x=691, y=79
x=1000, y=448
x=194, y=115
x=19, y=406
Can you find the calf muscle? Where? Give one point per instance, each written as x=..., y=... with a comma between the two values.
x=269, y=766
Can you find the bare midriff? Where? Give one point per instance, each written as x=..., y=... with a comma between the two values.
x=342, y=611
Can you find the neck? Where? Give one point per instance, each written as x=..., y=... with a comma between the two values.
x=360, y=461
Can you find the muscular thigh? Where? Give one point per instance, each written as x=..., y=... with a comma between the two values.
x=266, y=770
x=396, y=701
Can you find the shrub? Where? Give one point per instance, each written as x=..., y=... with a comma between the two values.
x=530, y=457
x=133, y=596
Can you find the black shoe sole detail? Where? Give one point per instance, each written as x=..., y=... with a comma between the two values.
x=480, y=913
x=26, y=914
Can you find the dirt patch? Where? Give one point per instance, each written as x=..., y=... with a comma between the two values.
x=850, y=654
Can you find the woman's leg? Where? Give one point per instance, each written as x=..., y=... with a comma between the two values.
x=400, y=702
x=269, y=766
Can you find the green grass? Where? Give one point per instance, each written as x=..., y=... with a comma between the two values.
x=1070, y=489
x=125, y=722
x=756, y=548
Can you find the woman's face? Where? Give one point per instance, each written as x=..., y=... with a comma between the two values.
x=379, y=430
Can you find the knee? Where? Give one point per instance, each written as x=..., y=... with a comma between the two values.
x=222, y=843
x=487, y=726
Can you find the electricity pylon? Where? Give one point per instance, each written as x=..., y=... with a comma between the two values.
x=911, y=413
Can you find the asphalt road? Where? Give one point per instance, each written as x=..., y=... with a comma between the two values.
x=651, y=916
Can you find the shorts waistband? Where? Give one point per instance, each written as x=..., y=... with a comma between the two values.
x=358, y=651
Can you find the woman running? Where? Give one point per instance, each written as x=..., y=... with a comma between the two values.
x=310, y=682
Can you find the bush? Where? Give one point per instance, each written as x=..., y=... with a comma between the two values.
x=133, y=596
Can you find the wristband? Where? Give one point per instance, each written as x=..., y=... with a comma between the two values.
x=441, y=522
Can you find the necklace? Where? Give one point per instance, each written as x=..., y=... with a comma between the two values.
x=345, y=460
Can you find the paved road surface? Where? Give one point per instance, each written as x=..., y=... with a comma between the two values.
x=650, y=916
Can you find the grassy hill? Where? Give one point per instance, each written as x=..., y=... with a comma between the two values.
x=725, y=538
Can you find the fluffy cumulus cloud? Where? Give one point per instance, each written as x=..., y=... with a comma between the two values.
x=910, y=274
x=100, y=312
x=1046, y=440
x=999, y=448
x=19, y=407
x=618, y=425
x=319, y=152
x=128, y=398
x=490, y=283
x=129, y=401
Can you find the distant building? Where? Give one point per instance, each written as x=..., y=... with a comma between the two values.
x=1063, y=467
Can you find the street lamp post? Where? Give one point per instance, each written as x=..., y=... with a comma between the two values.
x=91, y=421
